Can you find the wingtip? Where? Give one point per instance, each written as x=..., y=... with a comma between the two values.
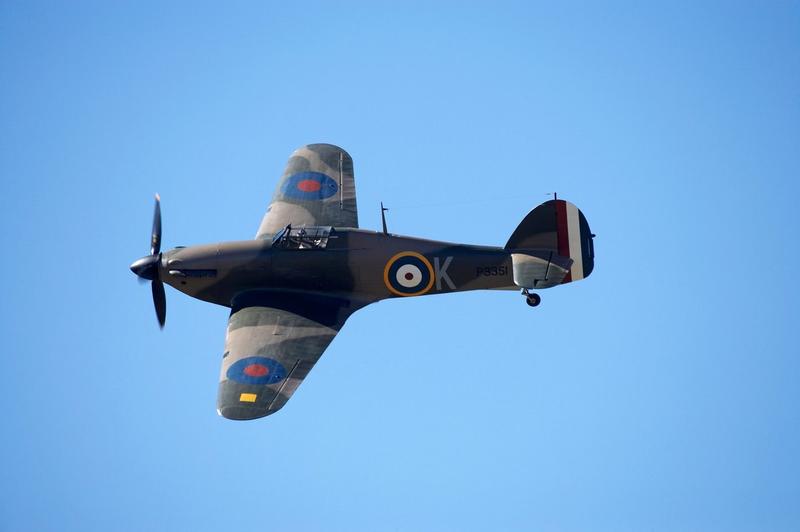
x=158, y=198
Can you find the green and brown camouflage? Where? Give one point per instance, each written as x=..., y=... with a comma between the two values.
x=292, y=288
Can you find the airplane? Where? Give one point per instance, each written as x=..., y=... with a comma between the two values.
x=310, y=267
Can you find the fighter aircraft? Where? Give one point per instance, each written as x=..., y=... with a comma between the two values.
x=291, y=289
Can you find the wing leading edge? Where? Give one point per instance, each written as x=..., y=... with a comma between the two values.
x=273, y=341
x=317, y=188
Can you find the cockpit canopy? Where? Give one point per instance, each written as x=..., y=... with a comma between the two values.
x=302, y=237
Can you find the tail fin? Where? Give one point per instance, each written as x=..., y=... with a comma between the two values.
x=552, y=245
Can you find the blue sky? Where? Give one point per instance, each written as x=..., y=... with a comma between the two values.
x=659, y=394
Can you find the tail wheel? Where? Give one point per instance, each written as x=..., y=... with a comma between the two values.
x=533, y=300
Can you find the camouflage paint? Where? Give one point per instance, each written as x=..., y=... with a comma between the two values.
x=287, y=305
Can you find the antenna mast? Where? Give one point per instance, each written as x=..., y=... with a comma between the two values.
x=383, y=218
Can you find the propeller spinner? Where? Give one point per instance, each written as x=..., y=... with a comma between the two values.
x=148, y=267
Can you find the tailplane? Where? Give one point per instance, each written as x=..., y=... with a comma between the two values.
x=552, y=245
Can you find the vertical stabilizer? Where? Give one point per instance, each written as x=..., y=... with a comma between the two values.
x=552, y=245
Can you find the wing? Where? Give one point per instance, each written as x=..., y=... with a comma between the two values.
x=273, y=341
x=317, y=188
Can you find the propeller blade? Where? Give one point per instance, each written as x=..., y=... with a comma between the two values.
x=160, y=301
x=155, y=239
x=147, y=268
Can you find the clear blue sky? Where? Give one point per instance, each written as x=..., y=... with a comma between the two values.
x=660, y=394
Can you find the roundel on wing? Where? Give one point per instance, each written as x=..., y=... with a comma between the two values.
x=408, y=274
x=309, y=186
x=256, y=370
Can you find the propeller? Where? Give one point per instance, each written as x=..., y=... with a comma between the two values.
x=148, y=267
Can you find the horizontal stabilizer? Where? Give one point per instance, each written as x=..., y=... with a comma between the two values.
x=539, y=269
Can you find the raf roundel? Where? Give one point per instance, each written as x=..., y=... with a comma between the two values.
x=309, y=186
x=256, y=370
x=408, y=274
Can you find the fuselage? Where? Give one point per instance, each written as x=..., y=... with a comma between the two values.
x=356, y=264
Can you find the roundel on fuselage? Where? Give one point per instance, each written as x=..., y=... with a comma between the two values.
x=408, y=274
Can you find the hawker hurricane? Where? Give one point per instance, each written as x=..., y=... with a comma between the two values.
x=310, y=266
